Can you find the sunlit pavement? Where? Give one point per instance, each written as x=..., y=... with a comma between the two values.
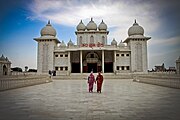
x=70, y=100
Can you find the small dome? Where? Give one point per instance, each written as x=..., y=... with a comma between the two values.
x=81, y=26
x=114, y=42
x=2, y=58
x=48, y=30
x=121, y=44
x=62, y=44
x=102, y=26
x=70, y=43
x=91, y=25
x=135, y=30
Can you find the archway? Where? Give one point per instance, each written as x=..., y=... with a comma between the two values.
x=91, y=63
x=5, y=70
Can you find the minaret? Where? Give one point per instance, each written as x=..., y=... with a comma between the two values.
x=138, y=46
x=46, y=44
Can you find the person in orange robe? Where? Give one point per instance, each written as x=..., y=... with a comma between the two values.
x=99, y=80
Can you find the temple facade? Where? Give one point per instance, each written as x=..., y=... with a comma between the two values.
x=92, y=51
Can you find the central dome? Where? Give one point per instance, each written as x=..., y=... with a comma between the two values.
x=48, y=30
x=135, y=30
x=91, y=25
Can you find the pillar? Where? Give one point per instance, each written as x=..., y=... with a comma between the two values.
x=81, y=66
x=69, y=62
x=102, y=61
x=114, y=65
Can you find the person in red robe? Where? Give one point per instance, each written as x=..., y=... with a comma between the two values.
x=91, y=81
x=99, y=80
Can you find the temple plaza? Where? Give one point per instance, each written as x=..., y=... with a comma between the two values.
x=70, y=100
x=65, y=96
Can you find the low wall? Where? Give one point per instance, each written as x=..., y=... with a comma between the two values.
x=12, y=82
x=172, y=81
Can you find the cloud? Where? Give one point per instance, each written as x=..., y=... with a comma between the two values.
x=116, y=14
x=119, y=15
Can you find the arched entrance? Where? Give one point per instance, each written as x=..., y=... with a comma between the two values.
x=5, y=70
x=91, y=63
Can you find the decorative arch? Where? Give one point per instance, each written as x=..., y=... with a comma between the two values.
x=91, y=39
x=80, y=40
x=5, y=70
x=103, y=39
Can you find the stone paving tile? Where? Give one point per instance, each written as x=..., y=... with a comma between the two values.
x=69, y=100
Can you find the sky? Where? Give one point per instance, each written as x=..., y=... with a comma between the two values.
x=22, y=20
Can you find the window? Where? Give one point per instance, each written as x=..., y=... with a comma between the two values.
x=117, y=67
x=66, y=68
x=127, y=54
x=117, y=55
x=80, y=40
x=66, y=55
x=91, y=39
x=61, y=68
x=56, y=68
x=56, y=55
x=61, y=55
x=122, y=67
x=122, y=54
x=127, y=67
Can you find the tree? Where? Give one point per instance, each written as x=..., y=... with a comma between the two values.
x=17, y=69
x=26, y=68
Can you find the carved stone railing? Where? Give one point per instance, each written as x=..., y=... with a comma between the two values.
x=12, y=82
x=166, y=81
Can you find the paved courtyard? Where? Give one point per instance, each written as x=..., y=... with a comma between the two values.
x=69, y=100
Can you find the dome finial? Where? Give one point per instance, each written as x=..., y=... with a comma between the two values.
x=135, y=21
x=91, y=19
x=49, y=22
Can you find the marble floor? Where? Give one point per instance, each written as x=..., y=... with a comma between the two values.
x=70, y=100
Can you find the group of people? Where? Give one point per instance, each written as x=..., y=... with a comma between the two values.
x=52, y=73
x=92, y=80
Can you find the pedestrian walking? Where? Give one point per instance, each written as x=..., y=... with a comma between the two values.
x=99, y=80
x=91, y=81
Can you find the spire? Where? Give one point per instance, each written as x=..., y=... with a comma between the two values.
x=91, y=19
x=49, y=22
x=135, y=23
x=81, y=21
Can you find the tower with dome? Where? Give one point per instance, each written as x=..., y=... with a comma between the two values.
x=92, y=51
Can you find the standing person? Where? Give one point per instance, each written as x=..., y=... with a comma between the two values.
x=50, y=73
x=99, y=80
x=91, y=81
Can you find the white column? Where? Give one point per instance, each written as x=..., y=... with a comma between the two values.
x=114, y=67
x=81, y=61
x=69, y=62
x=102, y=61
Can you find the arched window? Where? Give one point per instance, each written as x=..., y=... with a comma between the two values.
x=91, y=39
x=103, y=40
x=80, y=40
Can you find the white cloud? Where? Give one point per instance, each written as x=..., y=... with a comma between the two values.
x=118, y=14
